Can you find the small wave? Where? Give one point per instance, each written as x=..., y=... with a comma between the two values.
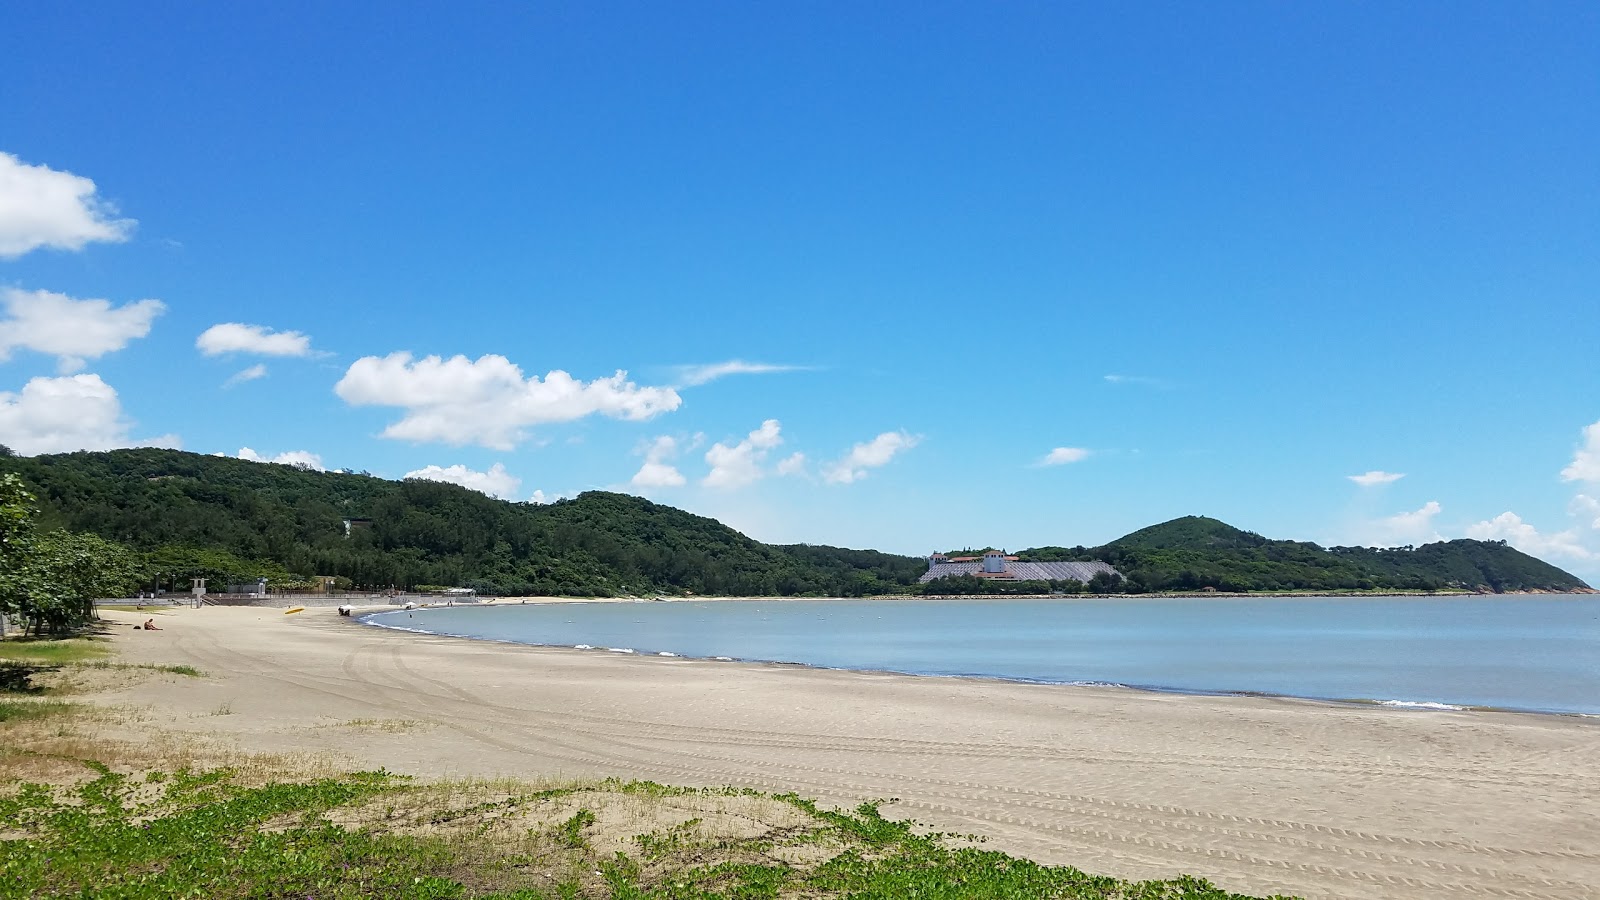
x=620, y=649
x=723, y=658
x=666, y=653
x=583, y=646
x=1419, y=704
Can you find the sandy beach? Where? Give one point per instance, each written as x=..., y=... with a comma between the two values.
x=1258, y=795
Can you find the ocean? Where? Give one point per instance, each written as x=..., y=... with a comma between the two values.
x=1538, y=653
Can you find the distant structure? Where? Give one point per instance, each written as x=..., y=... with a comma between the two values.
x=997, y=566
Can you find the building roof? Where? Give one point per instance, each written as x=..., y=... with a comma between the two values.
x=1020, y=571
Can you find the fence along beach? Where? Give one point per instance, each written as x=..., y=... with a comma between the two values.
x=1260, y=795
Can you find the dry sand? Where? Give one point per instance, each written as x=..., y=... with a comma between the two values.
x=1259, y=795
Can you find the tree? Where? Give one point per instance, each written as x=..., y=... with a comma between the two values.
x=16, y=544
x=49, y=580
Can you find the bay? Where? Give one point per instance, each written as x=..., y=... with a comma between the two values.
x=1538, y=653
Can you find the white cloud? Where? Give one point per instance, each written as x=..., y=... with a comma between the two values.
x=71, y=330
x=496, y=482
x=541, y=498
x=692, y=376
x=1415, y=527
x=1585, y=464
x=1375, y=477
x=41, y=207
x=793, y=464
x=259, y=370
x=1509, y=527
x=657, y=471
x=487, y=401
x=740, y=464
x=869, y=455
x=58, y=415
x=1585, y=506
x=1141, y=380
x=1060, y=456
x=304, y=459
x=237, y=337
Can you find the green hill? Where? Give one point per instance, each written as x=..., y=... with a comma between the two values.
x=1194, y=553
x=1190, y=533
x=232, y=519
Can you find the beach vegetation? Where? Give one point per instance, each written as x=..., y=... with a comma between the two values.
x=217, y=834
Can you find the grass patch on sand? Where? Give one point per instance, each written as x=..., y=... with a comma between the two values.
x=171, y=834
x=18, y=710
x=53, y=651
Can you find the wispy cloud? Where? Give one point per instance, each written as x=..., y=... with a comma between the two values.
x=1060, y=456
x=1585, y=464
x=869, y=455
x=694, y=376
x=1376, y=477
x=259, y=370
x=1139, y=380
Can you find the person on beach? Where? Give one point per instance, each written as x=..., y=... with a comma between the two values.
x=150, y=625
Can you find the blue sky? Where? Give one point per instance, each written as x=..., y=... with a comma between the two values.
x=1018, y=274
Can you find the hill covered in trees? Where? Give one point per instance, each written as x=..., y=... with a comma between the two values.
x=1194, y=553
x=231, y=520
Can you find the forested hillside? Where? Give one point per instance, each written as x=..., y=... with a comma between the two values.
x=231, y=519
x=1195, y=553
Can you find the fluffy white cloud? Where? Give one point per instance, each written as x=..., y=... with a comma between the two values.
x=740, y=464
x=57, y=415
x=304, y=459
x=1060, y=456
x=691, y=376
x=1415, y=527
x=496, y=482
x=1375, y=478
x=1509, y=527
x=259, y=370
x=71, y=330
x=1585, y=465
x=869, y=455
x=237, y=337
x=41, y=207
x=657, y=471
x=487, y=401
x=793, y=464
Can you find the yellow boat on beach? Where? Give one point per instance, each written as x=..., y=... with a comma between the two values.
x=294, y=609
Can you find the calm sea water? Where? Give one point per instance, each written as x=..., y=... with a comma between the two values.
x=1528, y=653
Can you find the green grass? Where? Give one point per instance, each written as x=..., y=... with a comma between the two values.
x=144, y=667
x=189, y=835
x=17, y=710
x=53, y=651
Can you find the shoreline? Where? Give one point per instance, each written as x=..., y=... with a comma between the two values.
x=1264, y=795
x=361, y=615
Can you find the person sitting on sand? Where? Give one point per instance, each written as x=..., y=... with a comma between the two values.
x=150, y=625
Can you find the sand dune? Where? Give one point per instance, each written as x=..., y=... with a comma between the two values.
x=1258, y=795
